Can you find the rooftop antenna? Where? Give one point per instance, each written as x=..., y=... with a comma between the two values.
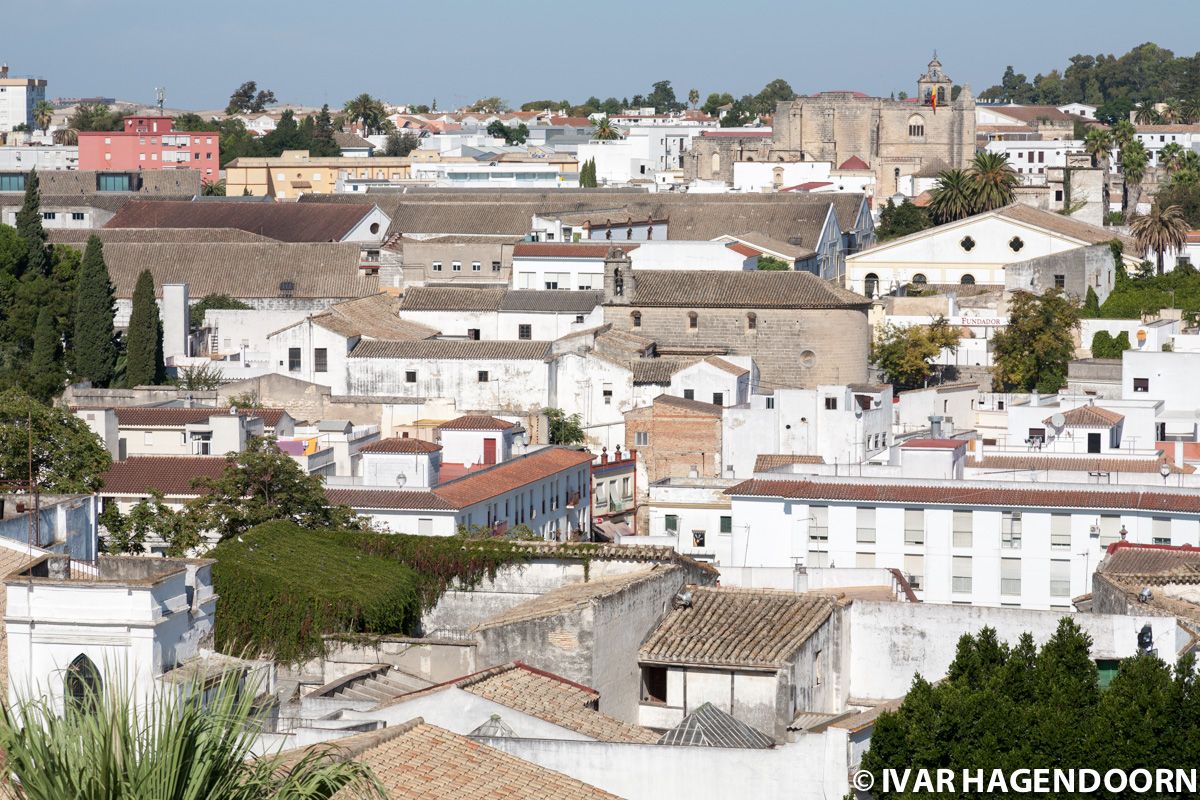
x=160, y=96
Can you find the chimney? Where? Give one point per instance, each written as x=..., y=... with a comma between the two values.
x=978, y=450
x=175, y=319
x=1179, y=452
x=935, y=427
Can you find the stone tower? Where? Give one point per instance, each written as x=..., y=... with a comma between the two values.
x=934, y=82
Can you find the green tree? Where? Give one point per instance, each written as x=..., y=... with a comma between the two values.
x=143, y=339
x=900, y=220
x=1134, y=160
x=564, y=428
x=773, y=264
x=400, y=144
x=43, y=112
x=1098, y=143
x=605, y=131
x=1091, y=305
x=952, y=196
x=713, y=103
x=775, y=92
x=94, y=343
x=261, y=484
x=693, y=97
x=95, y=117
x=742, y=113
x=905, y=354
x=46, y=374
x=189, y=121
x=249, y=99
x=189, y=741
x=67, y=456
x=488, y=105
x=510, y=135
x=1161, y=230
x=993, y=181
x=587, y=174
x=1032, y=352
x=367, y=111
x=662, y=97
x=29, y=228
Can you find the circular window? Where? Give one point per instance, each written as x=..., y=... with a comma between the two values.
x=374, y=227
x=1016, y=244
x=967, y=280
x=807, y=359
x=967, y=244
x=919, y=279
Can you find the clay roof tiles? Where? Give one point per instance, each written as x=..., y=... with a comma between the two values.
x=475, y=487
x=285, y=222
x=476, y=422
x=171, y=475
x=1089, y=417
x=400, y=444
x=711, y=289
x=446, y=349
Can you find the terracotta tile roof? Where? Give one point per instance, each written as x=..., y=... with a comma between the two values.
x=1089, y=416
x=175, y=417
x=553, y=699
x=1049, y=461
x=854, y=162
x=570, y=597
x=722, y=364
x=1168, y=129
x=284, y=222
x=567, y=249
x=742, y=289
x=151, y=235
x=475, y=487
x=392, y=499
x=734, y=627
x=453, y=349
x=171, y=475
x=935, y=444
x=806, y=186
x=765, y=462
x=1149, y=562
x=976, y=494
x=417, y=761
x=744, y=250
x=1034, y=114
x=476, y=422
x=243, y=269
x=709, y=726
x=688, y=405
x=655, y=370
x=400, y=444
x=765, y=243
x=1066, y=226
x=561, y=301
x=346, y=141
x=446, y=298
x=374, y=316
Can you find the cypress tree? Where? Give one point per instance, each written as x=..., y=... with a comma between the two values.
x=29, y=228
x=143, y=340
x=94, y=345
x=45, y=367
x=1091, y=306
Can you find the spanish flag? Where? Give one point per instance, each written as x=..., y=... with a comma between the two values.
x=933, y=100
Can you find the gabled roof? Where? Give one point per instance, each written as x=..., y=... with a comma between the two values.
x=171, y=475
x=765, y=462
x=417, y=761
x=568, y=249
x=480, y=485
x=285, y=222
x=151, y=235
x=725, y=366
x=400, y=444
x=1049, y=461
x=476, y=422
x=740, y=289
x=458, y=349
x=571, y=596
x=1089, y=416
x=551, y=301
x=688, y=405
x=375, y=316
x=350, y=141
x=709, y=726
x=451, y=298
x=734, y=627
x=763, y=243
x=392, y=499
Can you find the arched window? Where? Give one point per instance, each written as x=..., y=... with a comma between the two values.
x=693, y=320
x=636, y=318
x=1016, y=244
x=749, y=158
x=777, y=177
x=941, y=95
x=716, y=163
x=919, y=279
x=916, y=127
x=82, y=685
x=967, y=280
x=751, y=321
x=870, y=284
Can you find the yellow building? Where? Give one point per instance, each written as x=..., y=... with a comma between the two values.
x=295, y=172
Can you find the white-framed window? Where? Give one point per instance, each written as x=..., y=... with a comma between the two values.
x=865, y=526
x=1010, y=530
x=818, y=525
x=641, y=438
x=1110, y=529
x=1160, y=530
x=436, y=266
x=1010, y=576
x=961, y=578
x=914, y=567
x=1060, y=578
x=1060, y=531
x=914, y=526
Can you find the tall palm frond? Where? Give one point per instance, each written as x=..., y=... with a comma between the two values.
x=1160, y=230
x=951, y=198
x=993, y=181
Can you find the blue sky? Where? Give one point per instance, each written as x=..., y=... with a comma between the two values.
x=314, y=51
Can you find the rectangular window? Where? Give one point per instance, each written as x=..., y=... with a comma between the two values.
x=1110, y=529
x=410, y=376
x=1036, y=436
x=770, y=402
x=293, y=359
x=1141, y=384
x=49, y=214
x=718, y=398
x=425, y=526
x=1060, y=281
x=865, y=526
x=473, y=334
x=78, y=216
x=961, y=579
x=831, y=404
x=1060, y=531
x=726, y=524
x=625, y=488
x=914, y=526
x=1010, y=576
x=456, y=266
x=483, y=376
x=495, y=266
x=524, y=331
x=671, y=522
x=654, y=685
x=476, y=266
x=698, y=537
x=642, y=438
x=112, y=183
x=689, y=394
x=437, y=266
x=1010, y=530
x=320, y=359
x=606, y=393
x=864, y=560
x=914, y=567
x=1060, y=578
x=818, y=523
x=1160, y=530
x=148, y=437
x=12, y=183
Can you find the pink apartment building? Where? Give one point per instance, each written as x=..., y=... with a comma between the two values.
x=151, y=143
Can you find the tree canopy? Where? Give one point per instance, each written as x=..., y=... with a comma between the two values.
x=905, y=354
x=249, y=99
x=95, y=345
x=1032, y=352
x=67, y=457
x=564, y=428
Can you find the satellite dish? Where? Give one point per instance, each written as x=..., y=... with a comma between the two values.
x=1058, y=420
x=233, y=410
x=401, y=479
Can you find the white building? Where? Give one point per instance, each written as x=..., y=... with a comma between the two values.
x=1167, y=377
x=18, y=96
x=1079, y=110
x=182, y=431
x=853, y=175
x=1156, y=137
x=580, y=266
x=499, y=314
x=43, y=158
x=1032, y=158
x=496, y=175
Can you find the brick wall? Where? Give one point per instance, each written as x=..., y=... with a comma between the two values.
x=678, y=440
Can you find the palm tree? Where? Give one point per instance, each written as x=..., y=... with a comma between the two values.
x=1134, y=160
x=1123, y=132
x=605, y=131
x=1189, y=111
x=43, y=112
x=1160, y=230
x=1098, y=143
x=169, y=748
x=693, y=97
x=367, y=110
x=67, y=136
x=1170, y=157
x=993, y=180
x=1146, y=114
x=952, y=197
x=1172, y=111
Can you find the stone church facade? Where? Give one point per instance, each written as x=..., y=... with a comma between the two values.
x=896, y=138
